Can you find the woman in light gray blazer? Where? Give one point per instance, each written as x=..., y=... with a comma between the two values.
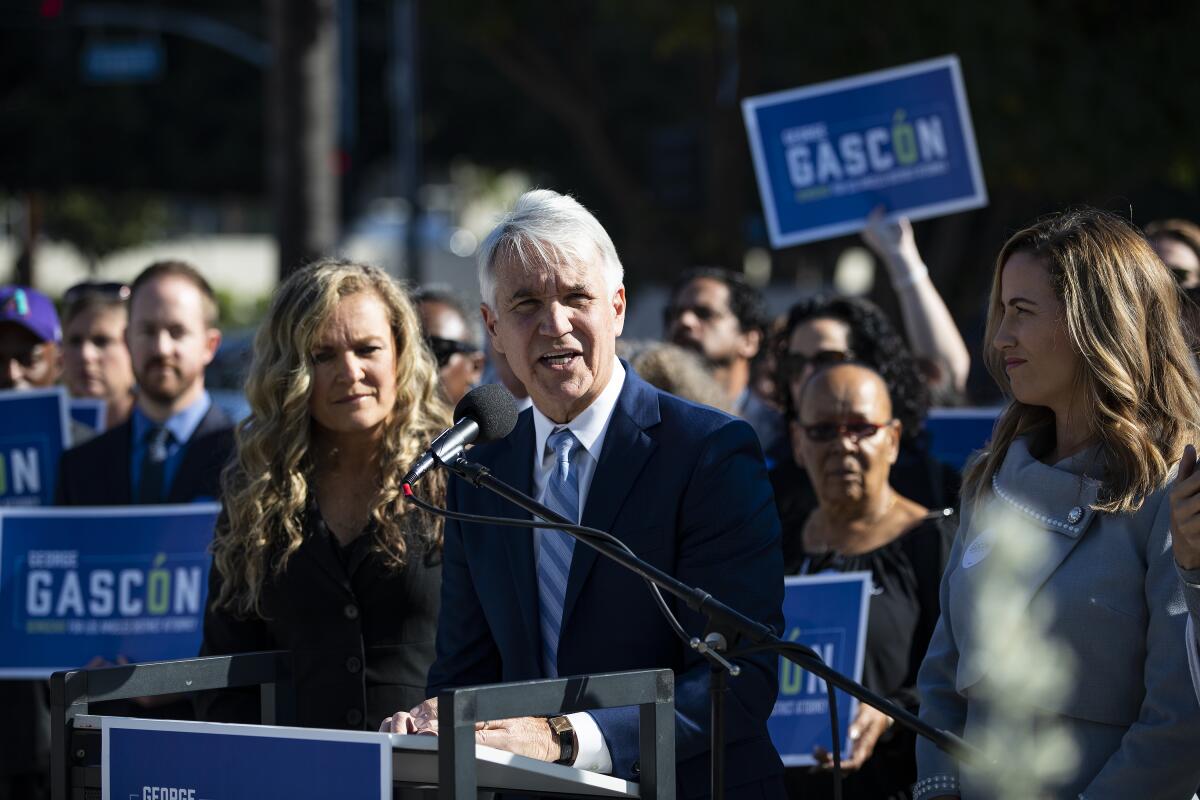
x=1084, y=331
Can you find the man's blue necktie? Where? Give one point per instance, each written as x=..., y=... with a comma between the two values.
x=154, y=466
x=555, y=547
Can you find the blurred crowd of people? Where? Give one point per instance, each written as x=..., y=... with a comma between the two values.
x=352, y=375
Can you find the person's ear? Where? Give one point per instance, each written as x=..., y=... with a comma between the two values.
x=59, y=364
x=476, y=361
x=212, y=340
x=895, y=431
x=749, y=343
x=489, y=324
x=796, y=440
x=618, y=302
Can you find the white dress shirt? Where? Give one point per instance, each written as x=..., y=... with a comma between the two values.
x=589, y=428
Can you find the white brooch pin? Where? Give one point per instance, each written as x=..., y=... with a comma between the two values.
x=1074, y=515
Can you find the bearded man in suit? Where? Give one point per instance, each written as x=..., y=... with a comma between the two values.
x=176, y=441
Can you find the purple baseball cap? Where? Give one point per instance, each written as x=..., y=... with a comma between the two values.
x=32, y=310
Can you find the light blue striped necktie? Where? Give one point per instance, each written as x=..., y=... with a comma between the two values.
x=555, y=547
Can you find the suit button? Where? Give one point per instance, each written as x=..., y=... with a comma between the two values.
x=636, y=769
x=351, y=611
x=354, y=717
x=353, y=664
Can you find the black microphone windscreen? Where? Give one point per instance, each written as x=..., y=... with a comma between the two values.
x=492, y=408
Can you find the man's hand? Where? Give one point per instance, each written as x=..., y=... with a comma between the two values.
x=422, y=719
x=525, y=736
x=1185, y=512
x=869, y=724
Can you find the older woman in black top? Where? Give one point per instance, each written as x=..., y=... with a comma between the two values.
x=317, y=552
x=830, y=329
x=847, y=437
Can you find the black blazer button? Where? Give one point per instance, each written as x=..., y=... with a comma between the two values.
x=636, y=768
x=351, y=611
x=353, y=664
x=354, y=717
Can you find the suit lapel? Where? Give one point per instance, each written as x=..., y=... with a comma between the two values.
x=1025, y=493
x=1056, y=500
x=514, y=466
x=119, y=480
x=196, y=463
x=626, y=450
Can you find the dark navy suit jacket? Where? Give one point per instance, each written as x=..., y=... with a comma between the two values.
x=96, y=473
x=685, y=488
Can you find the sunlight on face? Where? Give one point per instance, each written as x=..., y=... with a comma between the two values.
x=557, y=326
x=1041, y=364
x=354, y=367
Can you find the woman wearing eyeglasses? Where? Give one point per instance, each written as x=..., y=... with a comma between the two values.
x=848, y=438
x=1083, y=334
x=829, y=329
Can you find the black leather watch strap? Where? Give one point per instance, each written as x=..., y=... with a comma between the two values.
x=565, y=733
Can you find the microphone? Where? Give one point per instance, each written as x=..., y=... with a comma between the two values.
x=485, y=414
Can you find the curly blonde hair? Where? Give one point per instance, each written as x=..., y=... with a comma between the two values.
x=266, y=489
x=1121, y=313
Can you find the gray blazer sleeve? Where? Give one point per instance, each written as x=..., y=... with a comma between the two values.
x=941, y=704
x=1167, y=730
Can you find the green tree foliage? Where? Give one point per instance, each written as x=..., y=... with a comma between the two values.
x=634, y=106
x=99, y=223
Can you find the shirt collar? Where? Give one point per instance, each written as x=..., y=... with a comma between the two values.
x=589, y=425
x=182, y=424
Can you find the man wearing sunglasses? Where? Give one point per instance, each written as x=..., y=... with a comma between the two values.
x=717, y=314
x=453, y=340
x=30, y=339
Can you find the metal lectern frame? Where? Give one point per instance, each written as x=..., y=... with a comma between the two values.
x=71, y=692
x=653, y=691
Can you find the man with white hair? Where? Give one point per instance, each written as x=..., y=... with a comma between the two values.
x=682, y=485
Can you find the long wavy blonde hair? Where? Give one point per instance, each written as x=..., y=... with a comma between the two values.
x=1121, y=311
x=267, y=487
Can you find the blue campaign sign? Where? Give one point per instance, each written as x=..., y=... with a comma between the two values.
x=88, y=411
x=826, y=155
x=146, y=759
x=956, y=433
x=829, y=614
x=33, y=434
x=85, y=582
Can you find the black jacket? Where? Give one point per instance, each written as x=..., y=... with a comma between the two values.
x=96, y=473
x=361, y=635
